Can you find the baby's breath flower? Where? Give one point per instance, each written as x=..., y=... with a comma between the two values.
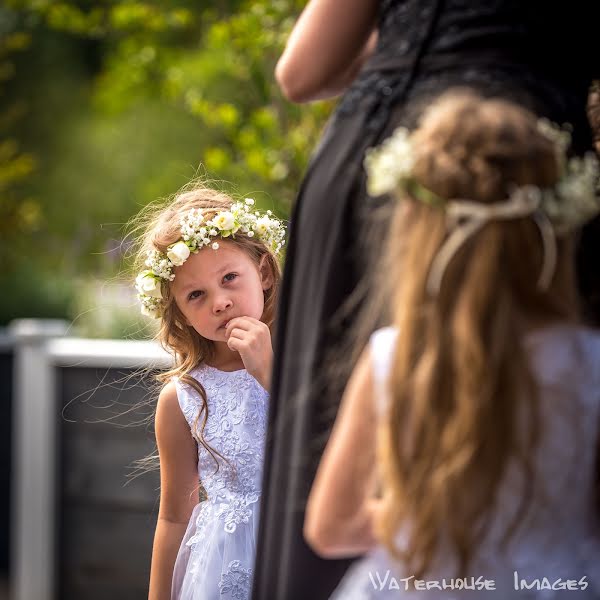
x=390, y=164
x=573, y=201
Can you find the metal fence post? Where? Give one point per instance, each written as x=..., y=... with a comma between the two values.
x=34, y=460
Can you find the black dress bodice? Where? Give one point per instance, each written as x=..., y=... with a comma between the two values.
x=526, y=51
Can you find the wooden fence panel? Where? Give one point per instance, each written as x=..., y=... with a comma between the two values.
x=106, y=521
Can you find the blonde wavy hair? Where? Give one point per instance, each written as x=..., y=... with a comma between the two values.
x=160, y=227
x=460, y=379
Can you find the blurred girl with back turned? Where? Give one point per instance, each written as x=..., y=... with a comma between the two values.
x=466, y=442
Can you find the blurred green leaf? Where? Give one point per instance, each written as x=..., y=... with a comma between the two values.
x=107, y=106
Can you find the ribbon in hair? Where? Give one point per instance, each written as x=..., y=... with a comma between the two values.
x=465, y=218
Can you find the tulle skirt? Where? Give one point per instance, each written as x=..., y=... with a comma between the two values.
x=216, y=557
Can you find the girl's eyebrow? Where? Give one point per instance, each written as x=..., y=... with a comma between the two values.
x=227, y=267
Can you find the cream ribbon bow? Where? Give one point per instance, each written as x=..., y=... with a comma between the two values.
x=465, y=218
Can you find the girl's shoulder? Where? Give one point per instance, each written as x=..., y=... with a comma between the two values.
x=557, y=352
x=566, y=353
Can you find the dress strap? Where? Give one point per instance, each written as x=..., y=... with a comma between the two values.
x=382, y=345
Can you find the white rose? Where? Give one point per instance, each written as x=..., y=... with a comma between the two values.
x=147, y=284
x=262, y=225
x=224, y=221
x=178, y=253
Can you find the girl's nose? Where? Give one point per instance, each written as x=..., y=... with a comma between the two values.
x=221, y=303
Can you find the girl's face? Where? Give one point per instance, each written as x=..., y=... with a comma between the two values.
x=214, y=286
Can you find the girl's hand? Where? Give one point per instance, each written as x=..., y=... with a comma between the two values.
x=252, y=339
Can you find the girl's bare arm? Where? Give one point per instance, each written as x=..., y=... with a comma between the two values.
x=341, y=505
x=179, y=487
x=326, y=49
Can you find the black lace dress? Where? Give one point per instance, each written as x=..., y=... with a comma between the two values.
x=539, y=54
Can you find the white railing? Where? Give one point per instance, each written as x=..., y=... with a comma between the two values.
x=39, y=348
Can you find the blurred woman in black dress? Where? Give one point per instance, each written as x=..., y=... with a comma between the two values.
x=391, y=59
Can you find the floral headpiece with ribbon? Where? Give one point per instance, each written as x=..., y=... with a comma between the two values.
x=570, y=203
x=198, y=232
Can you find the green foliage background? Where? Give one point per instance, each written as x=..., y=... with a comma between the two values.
x=106, y=106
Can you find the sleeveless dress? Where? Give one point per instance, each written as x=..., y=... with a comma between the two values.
x=542, y=55
x=560, y=536
x=216, y=557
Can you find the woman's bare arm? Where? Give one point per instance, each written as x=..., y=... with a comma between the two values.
x=341, y=505
x=326, y=49
x=179, y=487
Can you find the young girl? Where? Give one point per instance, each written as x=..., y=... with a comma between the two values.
x=480, y=408
x=211, y=277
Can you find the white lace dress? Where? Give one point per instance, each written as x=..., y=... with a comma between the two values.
x=559, y=541
x=216, y=558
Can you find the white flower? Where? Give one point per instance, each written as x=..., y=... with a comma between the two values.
x=215, y=246
x=148, y=285
x=262, y=225
x=389, y=164
x=151, y=306
x=224, y=221
x=178, y=253
x=249, y=201
x=150, y=311
x=251, y=234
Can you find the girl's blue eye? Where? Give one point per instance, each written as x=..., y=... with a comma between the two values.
x=195, y=294
x=230, y=276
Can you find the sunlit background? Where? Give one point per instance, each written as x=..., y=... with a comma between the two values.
x=107, y=106
x=104, y=107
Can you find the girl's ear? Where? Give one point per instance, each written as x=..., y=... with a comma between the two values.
x=266, y=272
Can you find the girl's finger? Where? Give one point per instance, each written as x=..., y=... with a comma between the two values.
x=234, y=344
x=240, y=323
x=237, y=333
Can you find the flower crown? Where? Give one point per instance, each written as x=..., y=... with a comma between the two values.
x=557, y=210
x=198, y=232
x=570, y=203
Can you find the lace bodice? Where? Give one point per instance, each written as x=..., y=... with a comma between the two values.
x=237, y=413
x=559, y=536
